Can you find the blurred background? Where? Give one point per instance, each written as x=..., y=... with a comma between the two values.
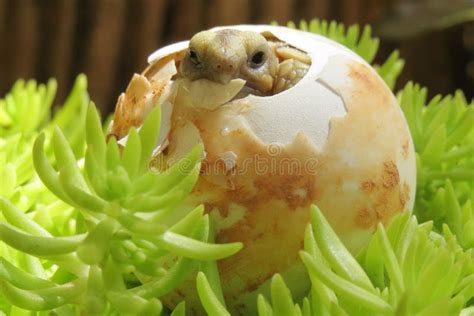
x=109, y=40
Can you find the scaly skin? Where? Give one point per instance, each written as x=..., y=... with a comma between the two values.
x=224, y=55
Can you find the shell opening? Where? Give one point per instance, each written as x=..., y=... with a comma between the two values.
x=293, y=65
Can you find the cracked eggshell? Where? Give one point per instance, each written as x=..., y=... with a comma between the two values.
x=206, y=94
x=142, y=93
x=337, y=139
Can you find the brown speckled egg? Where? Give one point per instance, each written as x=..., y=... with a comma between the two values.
x=337, y=139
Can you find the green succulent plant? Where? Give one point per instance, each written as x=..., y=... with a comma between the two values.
x=443, y=133
x=87, y=227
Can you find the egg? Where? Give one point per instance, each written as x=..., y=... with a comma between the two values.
x=337, y=139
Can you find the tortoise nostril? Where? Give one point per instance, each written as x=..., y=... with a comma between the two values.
x=225, y=67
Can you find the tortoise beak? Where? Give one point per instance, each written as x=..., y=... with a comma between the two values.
x=223, y=70
x=221, y=78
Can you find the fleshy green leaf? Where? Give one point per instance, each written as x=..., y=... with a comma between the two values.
x=209, y=300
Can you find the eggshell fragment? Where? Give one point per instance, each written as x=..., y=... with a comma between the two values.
x=188, y=136
x=131, y=106
x=207, y=94
x=141, y=95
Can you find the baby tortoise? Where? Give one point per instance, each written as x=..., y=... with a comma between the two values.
x=268, y=66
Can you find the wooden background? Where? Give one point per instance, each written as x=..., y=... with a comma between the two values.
x=109, y=40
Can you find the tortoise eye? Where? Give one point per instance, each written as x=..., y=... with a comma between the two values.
x=193, y=56
x=257, y=59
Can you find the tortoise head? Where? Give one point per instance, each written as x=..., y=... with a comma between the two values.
x=224, y=55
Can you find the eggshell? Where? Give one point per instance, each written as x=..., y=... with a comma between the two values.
x=206, y=94
x=337, y=139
